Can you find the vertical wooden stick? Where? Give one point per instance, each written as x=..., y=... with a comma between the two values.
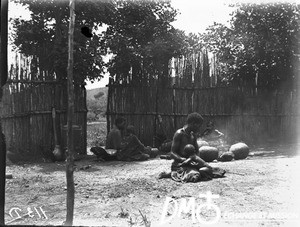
x=108, y=114
x=70, y=144
x=3, y=79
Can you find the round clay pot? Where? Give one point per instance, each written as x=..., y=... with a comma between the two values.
x=59, y=154
x=208, y=153
x=240, y=150
x=154, y=152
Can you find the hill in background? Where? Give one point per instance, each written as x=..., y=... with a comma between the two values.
x=91, y=93
x=96, y=100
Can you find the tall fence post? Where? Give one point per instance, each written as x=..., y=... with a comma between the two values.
x=3, y=79
x=70, y=141
x=174, y=106
x=108, y=106
x=156, y=109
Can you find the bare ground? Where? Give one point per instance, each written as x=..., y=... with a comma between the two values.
x=117, y=193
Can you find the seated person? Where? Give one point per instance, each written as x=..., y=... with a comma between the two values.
x=131, y=148
x=124, y=145
x=183, y=137
x=114, y=137
x=214, y=137
x=211, y=133
x=195, y=161
x=193, y=158
x=113, y=141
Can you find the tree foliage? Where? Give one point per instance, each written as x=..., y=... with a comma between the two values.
x=139, y=35
x=261, y=44
x=142, y=39
x=46, y=36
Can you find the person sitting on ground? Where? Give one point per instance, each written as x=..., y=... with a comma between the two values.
x=211, y=133
x=124, y=144
x=214, y=137
x=182, y=137
x=114, y=137
x=186, y=135
x=194, y=160
x=113, y=141
x=131, y=148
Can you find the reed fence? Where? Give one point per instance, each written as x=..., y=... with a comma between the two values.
x=28, y=98
x=252, y=114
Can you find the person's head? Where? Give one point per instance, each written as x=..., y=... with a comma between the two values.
x=194, y=121
x=130, y=129
x=189, y=150
x=120, y=122
x=210, y=125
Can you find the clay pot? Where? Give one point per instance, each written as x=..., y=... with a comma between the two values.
x=58, y=154
x=240, y=150
x=152, y=152
x=208, y=153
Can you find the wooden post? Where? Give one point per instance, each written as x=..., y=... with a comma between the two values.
x=174, y=107
x=70, y=115
x=3, y=79
x=108, y=115
x=156, y=108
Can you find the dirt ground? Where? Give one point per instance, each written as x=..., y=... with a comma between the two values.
x=262, y=190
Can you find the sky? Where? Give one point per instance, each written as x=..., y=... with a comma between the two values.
x=195, y=16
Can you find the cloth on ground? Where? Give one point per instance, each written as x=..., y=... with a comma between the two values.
x=102, y=154
x=192, y=173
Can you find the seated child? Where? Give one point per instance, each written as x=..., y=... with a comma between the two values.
x=193, y=159
x=195, y=162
